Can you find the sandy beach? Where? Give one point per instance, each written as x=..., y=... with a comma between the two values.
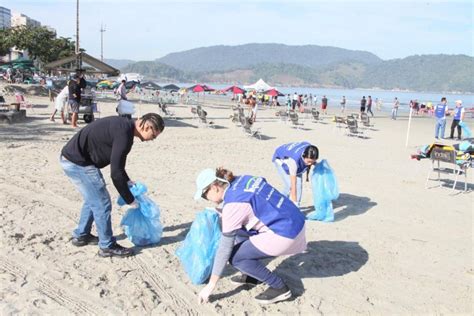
x=395, y=247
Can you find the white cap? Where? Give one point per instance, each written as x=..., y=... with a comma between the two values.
x=459, y=102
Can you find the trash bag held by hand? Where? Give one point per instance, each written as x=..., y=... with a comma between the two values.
x=325, y=189
x=142, y=225
x=198, y=250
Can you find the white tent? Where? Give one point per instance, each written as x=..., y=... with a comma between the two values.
x=260, y=85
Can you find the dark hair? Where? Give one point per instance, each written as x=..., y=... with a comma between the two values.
x=123, y=80
x=223, y=174
x=443, y=99
x=311, y=152
x=155, y=120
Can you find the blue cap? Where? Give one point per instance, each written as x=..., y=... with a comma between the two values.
x=203, y=180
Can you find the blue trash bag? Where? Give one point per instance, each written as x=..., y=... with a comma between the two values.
x=325, y=189
x=198, y=250
x=142, y=225
x=465, y=146
x=466, y=130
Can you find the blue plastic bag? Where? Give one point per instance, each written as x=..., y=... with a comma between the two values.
x=325, y=189
x=466, y=130
x=198, y=250
x=142, y=225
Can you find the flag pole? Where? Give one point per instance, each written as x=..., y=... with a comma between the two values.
x=409, y=124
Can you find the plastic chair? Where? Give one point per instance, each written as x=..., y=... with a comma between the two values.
x=448, y=156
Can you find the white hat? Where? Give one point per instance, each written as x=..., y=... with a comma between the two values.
x=459, y=102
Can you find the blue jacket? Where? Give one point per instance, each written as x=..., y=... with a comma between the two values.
x=294, y=151
x=457, y=113
x=440, y=110
x=271, y=207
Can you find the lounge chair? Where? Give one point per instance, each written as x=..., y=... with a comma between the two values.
x=449, y=155
x=202, y=116
x=294, y=119
x=315, y=115
x=352, y=127
x=166, y=111
x=247, y=128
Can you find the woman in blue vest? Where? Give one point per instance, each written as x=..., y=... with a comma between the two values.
x=440, y=111
x=457, y=118
x=291, y=161
x=257, y=222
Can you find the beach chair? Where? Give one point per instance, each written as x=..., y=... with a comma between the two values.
x=315, y=115
x=294, y=119
x=352, y=127
x=20, y=98
x=202, y=117
x=247, y=128
x=441, y=154
x=340, y=122
x=166, y=111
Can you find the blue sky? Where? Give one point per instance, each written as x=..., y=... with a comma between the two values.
x=146, y=29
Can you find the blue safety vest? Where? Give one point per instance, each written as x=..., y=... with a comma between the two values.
x=440, y=110
x=294, y=151
x=271, y=207
x=457, y=113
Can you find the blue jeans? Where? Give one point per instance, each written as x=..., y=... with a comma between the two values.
x=440, y=125
x=394, y=113
x=246, y=258
x=287, y=183
x=97, y=205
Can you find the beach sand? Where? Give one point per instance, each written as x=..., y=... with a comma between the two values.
x=394, y=248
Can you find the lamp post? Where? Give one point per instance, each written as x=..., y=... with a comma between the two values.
x=78, y=56
x=102, y=30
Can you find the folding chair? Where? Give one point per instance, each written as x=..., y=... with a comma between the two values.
x=315, y=115
x=448, y=156
x=352, y=127
x=294, y=119
x=247, y=128
x=20, y=98
x=202, y=116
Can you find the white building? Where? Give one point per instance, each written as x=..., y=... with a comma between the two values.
x=5, y=18
x=19, y=19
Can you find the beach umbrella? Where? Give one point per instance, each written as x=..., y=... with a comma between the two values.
x=274, y=93
x=235, y=90
x=171, y=87
x=150, y=85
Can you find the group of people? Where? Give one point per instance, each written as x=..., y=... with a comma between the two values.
x=70, y=96
x=258, y=221
x=441, y=110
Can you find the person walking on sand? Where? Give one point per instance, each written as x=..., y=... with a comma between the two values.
x=396, y=104
x=122, y=91
x=343, y=104
x=457, y=119
x=291, y=161
x=440, y=114
x=363, y=102
x=294, y=101
x=324, y=105
x=104, y=142
x=369, y=106
x=258, y=222
x=60, y=104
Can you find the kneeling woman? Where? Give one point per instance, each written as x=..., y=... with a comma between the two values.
x=291, y=161
x=257, y=222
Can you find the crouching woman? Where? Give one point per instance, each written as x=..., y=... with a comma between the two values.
x=258, y=222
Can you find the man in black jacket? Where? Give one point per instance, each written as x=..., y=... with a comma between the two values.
x=101, y=143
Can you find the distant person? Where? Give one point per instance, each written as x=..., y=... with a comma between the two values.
x=343, y=104
x=396, y=104
x=310, y=100
x=60, y=104
x=369, y=105
x=288, y=102
x=292, y=160
x=363, y=102
x=295, y=101
x=440, y=114
x=324, y=105
x=458, y=117
x=104, y=142
x=258, y=222
x=122, y=91
x=74, y=96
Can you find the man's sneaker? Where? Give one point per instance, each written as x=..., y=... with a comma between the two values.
x=115, y=251
x=85, y=240
x=272, y=295
x=244, y=279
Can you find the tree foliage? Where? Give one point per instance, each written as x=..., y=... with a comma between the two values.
x=41, y=43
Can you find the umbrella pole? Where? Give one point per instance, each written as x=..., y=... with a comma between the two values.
x=408, y=129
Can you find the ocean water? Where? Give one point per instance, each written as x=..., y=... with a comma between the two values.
x=353, y=96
